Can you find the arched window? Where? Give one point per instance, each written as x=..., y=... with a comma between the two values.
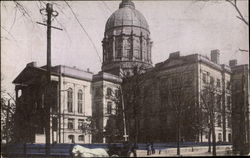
x=71, y=138
x=81, y=138
x=80, y=101
x=70, y=100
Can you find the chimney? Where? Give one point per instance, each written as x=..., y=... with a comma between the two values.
x=174, y=55
x=232, y=63
x=215, y=56
x=32, y=64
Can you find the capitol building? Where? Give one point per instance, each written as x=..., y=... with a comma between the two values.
x=86, y=106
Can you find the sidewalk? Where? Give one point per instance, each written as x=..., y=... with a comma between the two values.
x=187, y=151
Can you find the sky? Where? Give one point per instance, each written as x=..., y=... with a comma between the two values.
x=186, y=26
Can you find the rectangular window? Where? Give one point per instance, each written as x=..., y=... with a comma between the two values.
x=70, y=123
x=219, y=120
x=117, y=93
x=229, y=123
x=218, y=99
x=119, y=53
x=174, y=81
x=204, y=78
x=228, y=103
x=109, y=107
x=136, y=54
x=80, y=100
x=70, y=100
x=54, y=124
x=220, y=137
x=80, y=124
x=218, y=83
x=81, y=137
x=228, y=85
x=109, y=92
x=211, y=80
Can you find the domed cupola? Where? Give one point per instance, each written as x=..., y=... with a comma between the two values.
x=126, y=40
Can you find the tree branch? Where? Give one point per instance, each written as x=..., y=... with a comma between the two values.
x=241, y=17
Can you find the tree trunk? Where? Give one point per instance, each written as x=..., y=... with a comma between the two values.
x=178, y=136
x=209, y=140
x=214, y=140
x=136, y=130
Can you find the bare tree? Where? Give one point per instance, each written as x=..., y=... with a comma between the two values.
x=7, y=111
x=179, y=96
x=240, y=15
x=8, y=108
x=211, y=109
x=131, y=88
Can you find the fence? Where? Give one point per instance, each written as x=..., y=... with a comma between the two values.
x=63, y=150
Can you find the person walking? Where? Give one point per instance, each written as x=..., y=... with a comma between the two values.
x=133, y=150
x=148, y=149
x=152, y=148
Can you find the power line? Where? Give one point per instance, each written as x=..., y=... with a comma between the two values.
x=84, y=31
x=107, y=6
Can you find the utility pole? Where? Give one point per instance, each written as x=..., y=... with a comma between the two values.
x=49, y=12
x=124, y=120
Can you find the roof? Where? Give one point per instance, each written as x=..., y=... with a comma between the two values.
x=126, y=15
x=32, y=74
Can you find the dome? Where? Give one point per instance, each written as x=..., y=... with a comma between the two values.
x=126, y=15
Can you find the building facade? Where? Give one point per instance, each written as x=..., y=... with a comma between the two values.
x=174, y=87
x=240, y=109
x=71, y=104
x=157, y=102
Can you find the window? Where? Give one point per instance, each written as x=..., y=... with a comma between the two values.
x=136, y=54
x=80, y=124
x=70, y=100
x=109, y=107
x=228, y=85
x=204, y=78
x=219, y=120
x=71, y=138
x=119, y=53
x=229, y=123
x=187, y=79
x=54, y=124
x=126, y=53
x=219, y=137
x=218, y=83
x=70, y=123
x=80, y=97
x=81, y=137
x=109, y=92
x=228, y=103
x=117, y=93
x=229, y=138
x=174, y=81
x=219, y=102
x=211, y=80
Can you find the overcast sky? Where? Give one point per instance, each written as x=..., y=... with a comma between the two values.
x=185, y=26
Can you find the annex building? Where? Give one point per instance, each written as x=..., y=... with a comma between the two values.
x=83, y=102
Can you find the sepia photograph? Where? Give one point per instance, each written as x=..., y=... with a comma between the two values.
x=125, y=78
